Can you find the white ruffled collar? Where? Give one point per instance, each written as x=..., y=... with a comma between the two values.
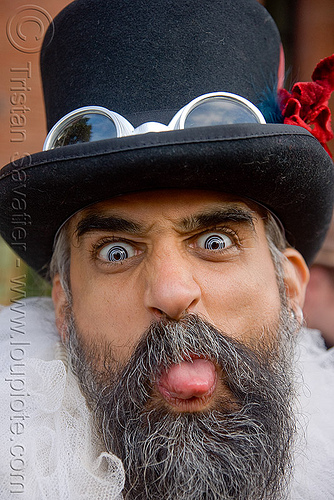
x=49, y=450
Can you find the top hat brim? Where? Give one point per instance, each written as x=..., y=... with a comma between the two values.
x=279, y=166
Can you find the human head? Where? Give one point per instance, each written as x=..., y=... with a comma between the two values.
x=262, y=274
x=242, y=292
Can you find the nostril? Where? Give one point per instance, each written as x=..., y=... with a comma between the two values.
x=158, y=312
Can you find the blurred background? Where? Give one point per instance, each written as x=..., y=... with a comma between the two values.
x=307, y=31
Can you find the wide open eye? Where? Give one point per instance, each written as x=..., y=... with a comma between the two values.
x=214, y=241
x=117, y=251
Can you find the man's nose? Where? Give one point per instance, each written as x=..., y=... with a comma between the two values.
x=171, y=289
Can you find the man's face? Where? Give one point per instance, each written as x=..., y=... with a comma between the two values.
x=168, y=261
x=176, y=329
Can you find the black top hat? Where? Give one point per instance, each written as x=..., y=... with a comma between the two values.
x=145, y=60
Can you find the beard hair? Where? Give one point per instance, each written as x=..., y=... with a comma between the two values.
x=239, y=449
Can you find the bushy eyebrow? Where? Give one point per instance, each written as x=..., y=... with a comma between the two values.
x=212, y=218
x=196, y=222
x=114, y=223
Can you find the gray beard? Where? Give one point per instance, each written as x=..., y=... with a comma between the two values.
x=240, y=449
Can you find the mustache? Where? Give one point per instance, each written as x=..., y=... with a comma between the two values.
x=243, y=367
x=169, y=342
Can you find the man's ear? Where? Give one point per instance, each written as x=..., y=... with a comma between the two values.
x=60, y=302
x=296, y=276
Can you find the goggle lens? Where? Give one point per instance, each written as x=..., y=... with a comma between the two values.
x=219, y=111
x=86, y=128
x=94, y=123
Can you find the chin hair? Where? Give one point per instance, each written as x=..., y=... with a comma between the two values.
x=240, y=449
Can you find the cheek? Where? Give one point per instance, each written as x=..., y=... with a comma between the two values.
x=242, y=299
x=108, y=311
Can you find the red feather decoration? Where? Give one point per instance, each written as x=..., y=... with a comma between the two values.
x=307, y=103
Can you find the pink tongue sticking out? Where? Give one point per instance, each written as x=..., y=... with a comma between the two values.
x=188, y=379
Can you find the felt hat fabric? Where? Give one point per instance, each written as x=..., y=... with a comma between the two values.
x=145, y=61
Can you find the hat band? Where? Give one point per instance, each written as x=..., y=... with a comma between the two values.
x=94, y=123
